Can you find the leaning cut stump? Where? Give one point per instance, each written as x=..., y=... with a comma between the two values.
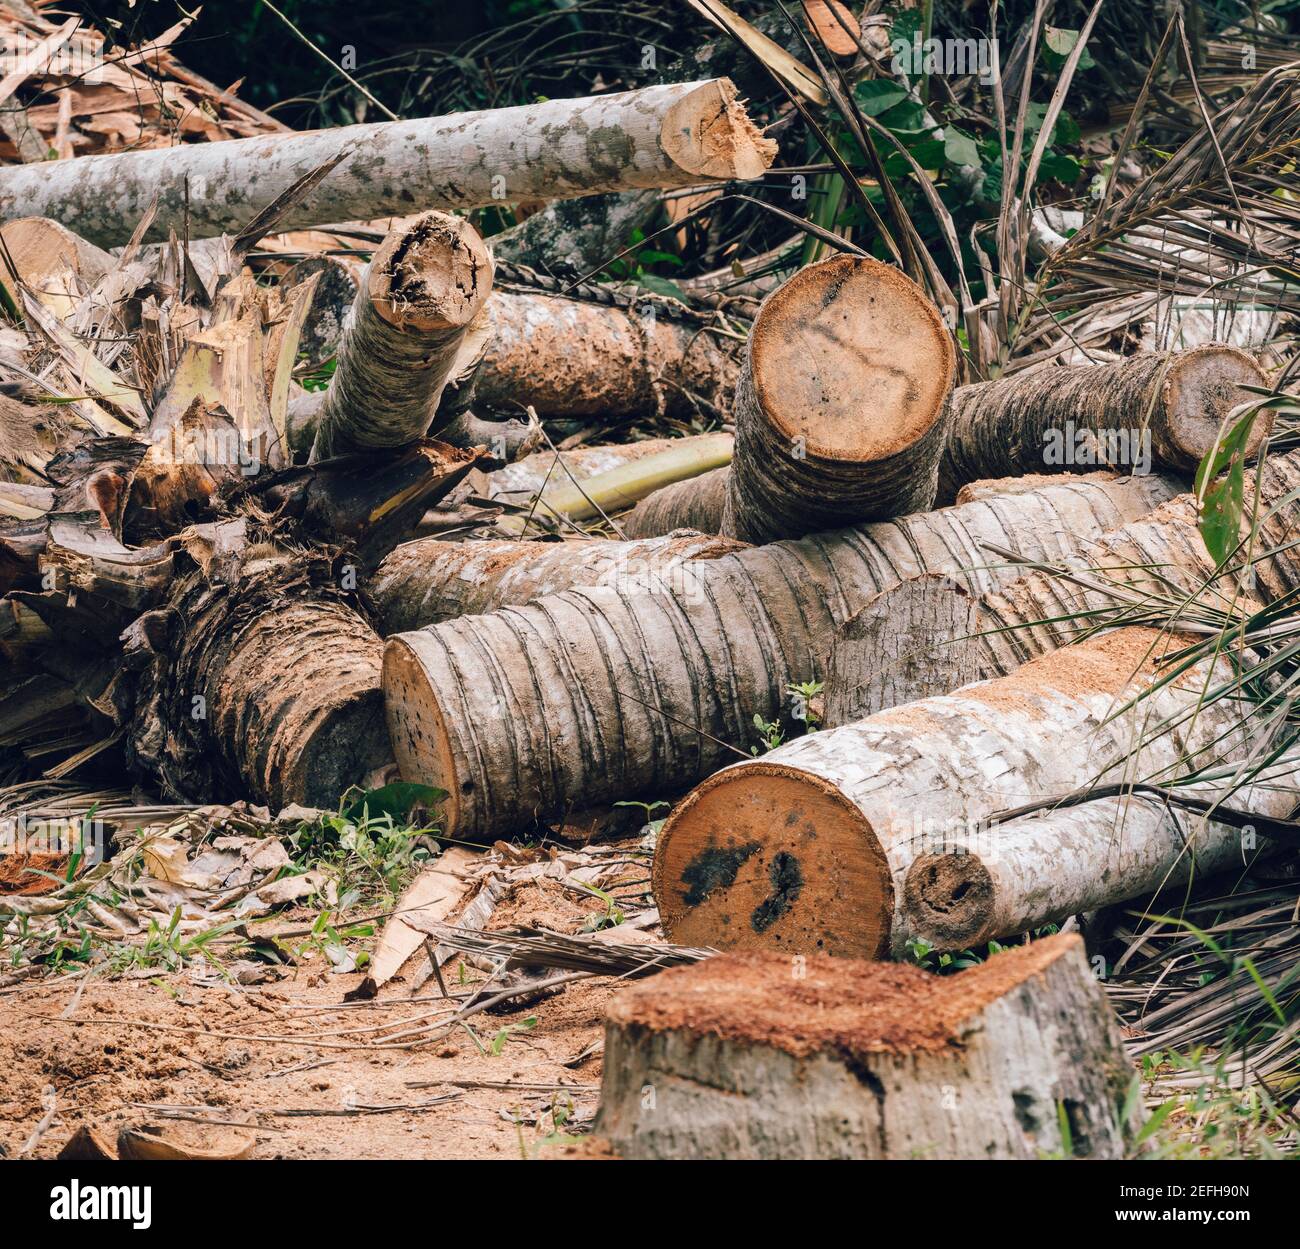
x=423, y=288
x=751, y=1056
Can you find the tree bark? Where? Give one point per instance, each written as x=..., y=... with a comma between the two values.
x=662, y=136
x=736, y=1058
x=428, y=581
x=609, y=693
x=1043, y=868
x=931, y=636
x=840, y=411
x=422, y=290
x=574, y=358
x=577, y=236
x=806, y=849
x=1162, y=408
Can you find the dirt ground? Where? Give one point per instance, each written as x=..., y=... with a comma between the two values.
x=304, y=1070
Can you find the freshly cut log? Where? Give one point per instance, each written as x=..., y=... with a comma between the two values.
x=1160, y=408
x=661, y=136
x=428, y=581
x=1041, y=869
x=575, y=358
x=422, y=290
x=806, y=849
x=745, y=1056
x=841, y=411
x=609, y=693
x=930, y=635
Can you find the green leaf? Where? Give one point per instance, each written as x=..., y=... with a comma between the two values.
x=1059, y=166
x=1060, y=42
x=875, y=95
x=960, y=149
x=906, y=118
x=660, y=286
x=397, y=800
x=1221, y=489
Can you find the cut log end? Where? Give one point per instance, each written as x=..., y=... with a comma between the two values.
x=769, y=857
x=762, y=1056
x=418, y=730
x=1201, y=388
x=852, y=361
x=708, y=133
x=951, y=897
x=434, y=276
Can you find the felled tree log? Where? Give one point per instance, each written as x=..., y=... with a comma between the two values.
x=741, y=1057
x=610, y=693
x=574, y=358
x=423, y=288
x=271, y=690
x=929, y=636
x=258, y=672
x=55, y=264
x=428, y=581
x=807, y=848
x=1161, y=408
x=1041, y=869
x=661, y=136
x=840, y=411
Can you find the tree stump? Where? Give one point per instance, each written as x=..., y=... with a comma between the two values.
x=761, y=1056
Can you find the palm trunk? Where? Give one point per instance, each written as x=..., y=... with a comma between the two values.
x=807, y=849
x=428, y=581
x=1162, y=408
x=576, y=359
x=610, y=692
x=662, y=136
x=840, y=411
x=1041, y=869
x=735, y=1057
x=930, y=636
x=423, y=288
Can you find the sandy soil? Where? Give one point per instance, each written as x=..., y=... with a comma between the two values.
x=117, y=1052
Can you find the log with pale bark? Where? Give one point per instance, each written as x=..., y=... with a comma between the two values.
x=840, y=411
x=807, y=849
x=428, y=581
x=420, y=294
x=930, y=635
x=661, y=136
x=1161, y=408
x=610, y=692
x=577, y=237
x=1068, y=860
x=746, y=1056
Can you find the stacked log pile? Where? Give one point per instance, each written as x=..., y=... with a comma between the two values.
x=223, y=583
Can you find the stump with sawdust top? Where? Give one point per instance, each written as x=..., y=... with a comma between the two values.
x=761, y=1056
